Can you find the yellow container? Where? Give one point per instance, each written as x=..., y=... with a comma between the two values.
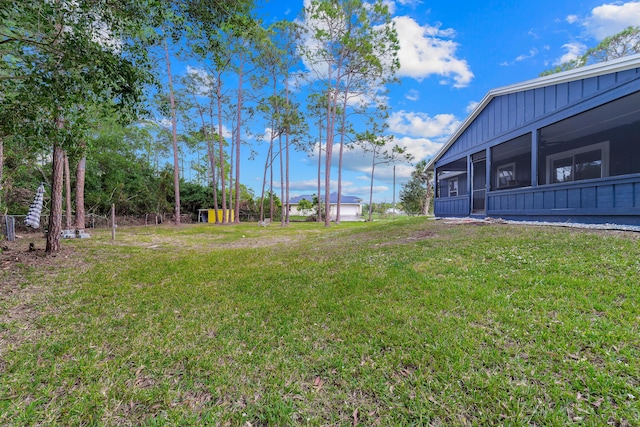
x=211, y=215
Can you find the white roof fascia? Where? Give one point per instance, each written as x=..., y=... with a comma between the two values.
x=608, y=67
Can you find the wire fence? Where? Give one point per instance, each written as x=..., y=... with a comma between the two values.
x=12, y=225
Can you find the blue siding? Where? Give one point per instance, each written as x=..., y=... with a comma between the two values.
x=628, y=75
x=562, y=95
x=539, y=102
x=606, y=81
x=452, y=206
x=510, y=115
x=609, y=197
x=550, y=99
x=510, y=112
x=590, y=86
x=575, y=91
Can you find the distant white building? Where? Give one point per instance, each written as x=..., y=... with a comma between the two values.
x=350, y=206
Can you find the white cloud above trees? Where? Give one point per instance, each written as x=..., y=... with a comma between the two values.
x=609, y=19
x=429, y=50
x=573, y=51
x=602, y=21
x=422, y=125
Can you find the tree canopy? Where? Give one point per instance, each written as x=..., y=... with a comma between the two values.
x=624, y=43
x=87, y=84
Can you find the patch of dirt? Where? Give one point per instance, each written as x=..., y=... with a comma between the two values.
x=417, y=236
x=25, y=254
x=21, y=300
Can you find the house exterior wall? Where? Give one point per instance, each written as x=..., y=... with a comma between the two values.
x=345, y=210
x=613, y=199
x=350, y=210
x=511, y=113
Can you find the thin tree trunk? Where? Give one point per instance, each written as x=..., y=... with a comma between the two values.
x=174, y=134
x=373, y=169
x=286, y=144
x=80, y=174
x=319, y=218
x=67, y=190
x=55, y=214
x=271, y=184
x=340, y=156
x=1, y=170
x=231, y=165
x=212, y=160
x=221, y=149
x=236, y=218
x=339, y=198
x=282, y=201
x=428, y=197
x=264, y=182
x=327, y=167
x=209, y=145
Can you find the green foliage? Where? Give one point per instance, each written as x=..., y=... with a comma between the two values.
x=305, y=206
x=194, y=196
x=416, y=193
x=413, y=195
x=116, y=174
x=624, y=43
x=57, y=74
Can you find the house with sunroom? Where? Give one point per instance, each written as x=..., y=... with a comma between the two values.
x=564, y=147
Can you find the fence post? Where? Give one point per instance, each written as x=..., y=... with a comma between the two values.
x=10, y=223
x=113, y=221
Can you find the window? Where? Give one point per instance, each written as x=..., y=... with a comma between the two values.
x=506, y=176
x=511, y=163
x=581, y=163
x=576, y=148
x=453, y=187
x=452, y=179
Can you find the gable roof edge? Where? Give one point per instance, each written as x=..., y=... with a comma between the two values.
x=613, y=66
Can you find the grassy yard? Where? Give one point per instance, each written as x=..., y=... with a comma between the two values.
x=406, y=322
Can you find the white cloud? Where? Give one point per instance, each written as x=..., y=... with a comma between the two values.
x=165, y=123
x=391, y=5
x=313, y=51
x=202, y=79
x=609, y=19
x=471, y=106
x=308, y=186
x=356, y=159
x=531, y=54
x=267, y=135
x=572, y=19
x=199, y=72
x=419, y=148
x=412, y=95
x=574, y=50
x=412, y=3
x=427, y=50
x=422, y=125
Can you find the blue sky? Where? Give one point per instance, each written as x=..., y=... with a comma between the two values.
x=452, y=53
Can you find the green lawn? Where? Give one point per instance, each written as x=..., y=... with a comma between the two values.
x=406, y=322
